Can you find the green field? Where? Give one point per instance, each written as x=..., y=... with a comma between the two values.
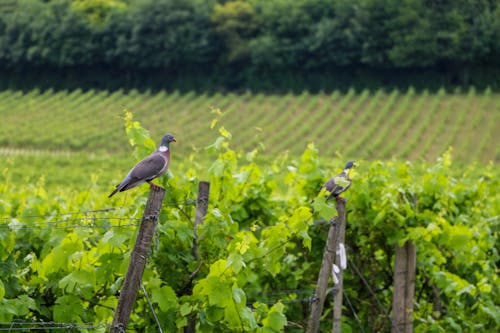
x=64, y=244
x=369, y=125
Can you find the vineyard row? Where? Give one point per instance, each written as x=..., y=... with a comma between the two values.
x=360, y=125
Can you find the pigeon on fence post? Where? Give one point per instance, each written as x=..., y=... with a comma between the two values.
x=149, y=168
x=340, y=183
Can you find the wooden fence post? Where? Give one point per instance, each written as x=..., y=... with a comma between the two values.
x=326, y=267
x=138, y=258
x=201, y=211
x=404, y=288
x=340, y=261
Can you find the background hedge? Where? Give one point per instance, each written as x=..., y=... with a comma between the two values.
x=235, y=40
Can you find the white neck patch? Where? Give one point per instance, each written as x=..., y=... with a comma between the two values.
x=163, y=148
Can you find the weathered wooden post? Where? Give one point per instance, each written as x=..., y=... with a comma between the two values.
x=340, y=262
x=329, y=253
x=201, y=211
x=138, y=259
x=404, y=288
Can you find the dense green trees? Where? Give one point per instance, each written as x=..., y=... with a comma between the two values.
x=254, y=35
x=152, y=34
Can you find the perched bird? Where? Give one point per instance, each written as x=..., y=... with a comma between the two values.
x=339, y=183
x=149, y=168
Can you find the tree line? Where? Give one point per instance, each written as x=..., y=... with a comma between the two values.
x=252, y=36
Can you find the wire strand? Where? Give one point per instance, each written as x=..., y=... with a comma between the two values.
x=100, y=218
x=372, y=293
x=187, y=202
x=17, y=228
x=354, y=312
x=151, y=307
x=38, y=325
x=90, y=211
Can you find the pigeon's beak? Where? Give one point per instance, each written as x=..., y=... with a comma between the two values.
x=174, y=140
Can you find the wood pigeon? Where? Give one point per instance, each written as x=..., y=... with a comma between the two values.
x=149, y=168
x=339, y=183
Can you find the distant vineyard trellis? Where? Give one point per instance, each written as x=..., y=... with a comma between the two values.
x=367, y=124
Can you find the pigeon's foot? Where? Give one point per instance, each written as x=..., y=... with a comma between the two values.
x=340, y=199
x=153, y=186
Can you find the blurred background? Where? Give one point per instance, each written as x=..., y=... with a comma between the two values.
x=371, y=79
x=267, y=99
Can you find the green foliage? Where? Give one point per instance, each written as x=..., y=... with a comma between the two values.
x=258, y=246
x=144, y=33
x=449, y=217
x=257, y=35
x=162, y=34
x=282, y=42
x=98, y=10
x=441, y=31
x=336, y=38
x=243, y=242
x=138, y=137
x=413, y=38
x=235, y=22
x=52, y=33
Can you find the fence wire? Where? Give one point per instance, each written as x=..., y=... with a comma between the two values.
x=82, y=212
x=18, y=325
x=93, y=219
x=73, y=223
x=78, y=219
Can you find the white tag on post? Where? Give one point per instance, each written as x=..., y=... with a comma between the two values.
x=342, y=256
x=335, y=272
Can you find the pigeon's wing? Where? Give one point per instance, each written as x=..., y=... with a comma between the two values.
x=342, y=181
x=149, y=168
x=330, y=185
x=344, y=188
x=337, y=185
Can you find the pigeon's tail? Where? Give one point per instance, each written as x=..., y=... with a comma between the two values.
x=126, y=184
x=113, y=193
x=121, y=187
x=117, y=189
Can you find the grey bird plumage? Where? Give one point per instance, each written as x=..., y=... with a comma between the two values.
x=149, y=168
x=340, y=183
